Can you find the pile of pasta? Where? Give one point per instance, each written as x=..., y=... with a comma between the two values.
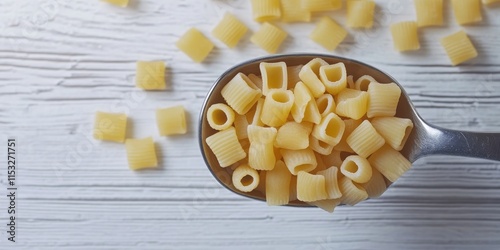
x=309, y=133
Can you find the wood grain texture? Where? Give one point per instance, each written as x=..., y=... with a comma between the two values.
x=62, y=60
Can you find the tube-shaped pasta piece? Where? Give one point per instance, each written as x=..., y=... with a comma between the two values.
x=350, y=82
x=266, y=10
x=309, y=74
x=363, y=82
x=302, y=97
x=312, y=113
x=350, y=125
x=277, y=106
x=293, y=75
x=150, y=75
x=352, y=103
x=241, y=94
x=278, y=185
x=384, y=99
x=334, y=77
x=220, y=116
x=257, y=80
x=245, y=178
x=226, y=147
x=331, y=182
x=360, y=13
x=311, y=187
x=405, y=36
x=274, y=76
x=467, y=11
x=326, y=104
x=328, y=205
x=376, y=186
x=141, y=153
x=230, y=30
x=292, y=11
x=293, y=135
x=299, y=160
x=333, y=159
x=262, y=182
x=319, y=146
x=395, y=130
x=321, y=5
x=269, y=37
x=241, y=124
x=352, y=193
x=293, y=188
x=110, y=126
x=195, y=45
x=390, y=163
x=254, y=114
x=330, y=130
x=365, y=140
x=429, y=12
x=261, y=153
x=328, y=33
x=172, y=120
x=458, y=47
x=356, y=168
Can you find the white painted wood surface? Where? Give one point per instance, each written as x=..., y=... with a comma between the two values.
x=61, y=60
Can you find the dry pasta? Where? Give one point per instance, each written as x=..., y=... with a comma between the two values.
x=384, y=99
x=376, y=186
x=311, y=187
x=352, y=193
x=299, y=160
x=110, y=126
x=292, y=11
x=395, y=130
x=467, y=11
x=312, y=113
x=302, y=97
x=277, y=106
x=219, y=116
x=326, y=104
x=429, y=12
x=331, y=182
x=274, y=76
x=321, y=5
x=405, y=36
x=363, y=82
x=241, y=94
x=226, y=147
x=350, y=82
x=365, y=140
x=141, y=153
x=245, y=178
x=172, y=120
x=330, y=130
x=328, y=34
x=269, y=37
x=150, y=75
x=319, y=146
x=293, y=135
x=334, y=77
x=230, y=30
x=278, y=185
x=459, y=47
x=352, y=103
x=195, y=45
x=389, y=163
x=360, y=13
x=309, y=74
x=266, y=10
x=254, y=113
x=261, y=153
x=357, y=169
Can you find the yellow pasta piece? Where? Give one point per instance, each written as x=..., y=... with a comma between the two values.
x=357, y=169
x=293, y=135
x=293, y=75
x=261, y=152
x=150, y=75
x=266, y=10
x=245, y=178
x=311, y=187
x=328, y=205
x=121, y=3
x=312, y=113
x=141, y=153
x=255, y=114
x=395, y=130
x=360, y=13
x=459, y=47
x=365, y=140
x=240, y=125
x=384, y=99
x=302, y=97
x=195, y=45
x=277, y=106
x=333, y=159
x=389, y=163
x=363, y=82
x=226, y=147
x=299, y=160
x=321, y=5
x=257, y=80
x=274, y=76
x=309, y=74
x=405, y=36
x=172, y=120
x=269, y=37
x=110, y=126
x=350, y=125
x=326, y=104
x=331, y=182
x=241, y=94
x=278, y=185
x=334, y=77
x=429, y=12
x=328, y=33
x=330, y=130
x=292, y=11
x=352, y=103
x=352, y=193
x=350, y=82
x=230, y=30
x=467, y=11
x=220, y=116
x=319, y=146
x=376, y=186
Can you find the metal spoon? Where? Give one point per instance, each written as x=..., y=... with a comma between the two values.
x=425, y=139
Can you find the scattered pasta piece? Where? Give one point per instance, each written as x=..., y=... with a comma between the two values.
x=121, y=3
x=278, y=185
x=230, y=30
x=331, y=182
x=459, y=47
x=299, y=160
x=269, y=37
x=321, y=5
x=277, y=107
x=309, y=74
x=330, y=129
x=226, y=147
x=365, y=140
x=293, y=135
x=261, y=152
x=326, y=104
x=352, y=193
x=266, y=10
x=467, y=11
x=141, y=153
x=360, y=13
x=383, y=99
x=195, y=45
x=357, y=169
x=352, y=103
x=389, y=162
x=429, y=12
x=395, y=130
x=328, y=34
x=292, y=11
x=363, y=82
x=150, y=75
x=110, y=126
x=334, y=77
x=274, y=76
x=311, y=187
x=171, y=120
x=245, y=178
x=405, y=36
x=241, y=93
x=220, y=116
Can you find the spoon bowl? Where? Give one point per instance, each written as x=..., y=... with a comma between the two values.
x=425, y=139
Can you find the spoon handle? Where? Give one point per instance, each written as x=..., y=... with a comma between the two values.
x=443, y=141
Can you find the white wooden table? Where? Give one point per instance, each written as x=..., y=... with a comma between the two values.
x=62, y=60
